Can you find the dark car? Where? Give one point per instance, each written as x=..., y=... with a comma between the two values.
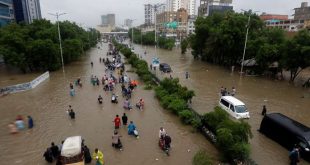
x=287, y=132
x=164, y=67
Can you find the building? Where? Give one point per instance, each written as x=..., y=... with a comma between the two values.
x=173, y=24
x=208, y=7
x=191, y=7
x=265, y=17
x=104, y=20
x=149, y=14
x=111, y=19
x=108, y=20
x=6, y=12
x=128, y=23
x=302, y=13
x=27, y=10
x=289, y=25
x=191, y=24
x=175, y=5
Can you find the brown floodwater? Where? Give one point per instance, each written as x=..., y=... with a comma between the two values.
x=206, y=80
x=48, y=102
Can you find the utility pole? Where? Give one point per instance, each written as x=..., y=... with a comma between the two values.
x=246, y=39
x=57, y=15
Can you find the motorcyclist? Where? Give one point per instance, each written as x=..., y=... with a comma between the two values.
x=114, y=98
x=162, y=133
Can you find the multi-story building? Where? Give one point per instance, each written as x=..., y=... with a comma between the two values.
x=265, y=17
x=108, y=20
x=175, y=5
x=128, y=22
x=191, y=24
x=173, y=24
x=149, y=14
x=6, y=12
x=27, y=10
x=208, y=7
x=303, y=12
x=111, y=19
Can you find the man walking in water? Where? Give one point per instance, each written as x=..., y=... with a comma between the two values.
x=117, y=122
x=186, y=75
x=98, y=156
x=124, y=119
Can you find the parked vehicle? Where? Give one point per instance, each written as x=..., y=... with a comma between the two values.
x=71, y=152
x=287, y=132
x=164, y=67
x=234, y=107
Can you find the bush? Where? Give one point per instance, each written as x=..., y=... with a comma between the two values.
x=177, y=105
x=201, y=158
x=186, y=116
x=213, y=119
x=232, y=136
x=196, y=122
x=148, y=86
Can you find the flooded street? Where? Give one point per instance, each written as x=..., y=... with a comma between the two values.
x=206, y=80
x=48, y=102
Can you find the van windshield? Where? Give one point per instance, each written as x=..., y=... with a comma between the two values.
x=240, y=108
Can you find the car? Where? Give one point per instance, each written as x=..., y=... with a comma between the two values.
x=71, y=151
x=287, y=132
x=234, y=107
x=164, y=67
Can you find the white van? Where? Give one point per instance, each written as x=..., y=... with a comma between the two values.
x=234, y=107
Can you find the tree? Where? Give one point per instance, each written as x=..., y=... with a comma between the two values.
x=296, y=54
x=35, y=46
x=184, y=45
x=43, y=55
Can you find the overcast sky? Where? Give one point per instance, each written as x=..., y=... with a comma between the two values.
x=87, y=12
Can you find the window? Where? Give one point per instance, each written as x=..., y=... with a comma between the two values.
x=232, y=108
x=225, y=103
x=241, y=109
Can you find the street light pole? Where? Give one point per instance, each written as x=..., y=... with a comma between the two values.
x=246, y=40
x=57, y=15
x=245, y=43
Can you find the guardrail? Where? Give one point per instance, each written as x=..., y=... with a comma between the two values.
x=24, y=86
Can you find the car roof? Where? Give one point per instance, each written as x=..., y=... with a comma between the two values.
x=164, y=64
x=233, y=100
x=290, y=124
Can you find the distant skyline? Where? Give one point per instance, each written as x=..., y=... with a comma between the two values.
x=89, y=14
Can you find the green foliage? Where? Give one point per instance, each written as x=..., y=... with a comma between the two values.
x=232, y=136
x=186, y=116
x=184, y=45
x=296, y=53
x=166, y=43
x=201, y=158
x=214, y=118
x=177, y=105
x=35, y=46
x=220, y=39
x=148, y=38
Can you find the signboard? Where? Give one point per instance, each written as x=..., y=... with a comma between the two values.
x=171, y=25
x=155, y=61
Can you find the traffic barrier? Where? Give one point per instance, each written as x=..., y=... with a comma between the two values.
x=24, y=86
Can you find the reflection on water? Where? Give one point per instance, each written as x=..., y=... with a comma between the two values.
x=207, y=79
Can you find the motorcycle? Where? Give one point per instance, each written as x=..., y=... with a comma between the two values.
x=163, y=146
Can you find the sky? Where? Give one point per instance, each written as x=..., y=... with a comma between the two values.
x=87, y=13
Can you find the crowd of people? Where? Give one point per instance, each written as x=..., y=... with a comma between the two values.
x=19, y=124
x=225, y=92
x=114, y=74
